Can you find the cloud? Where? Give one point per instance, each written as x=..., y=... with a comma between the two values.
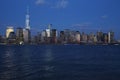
x=62, y=4
x=53, y=4
x=104, y=17
x=82, y=25
x=40, y=2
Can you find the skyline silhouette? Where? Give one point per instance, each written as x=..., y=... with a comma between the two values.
x=82, y=15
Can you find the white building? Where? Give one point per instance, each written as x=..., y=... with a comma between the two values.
x=43, y=36
x=27, y=21
x=77, y=37
x=9, y=30
x=48, y=32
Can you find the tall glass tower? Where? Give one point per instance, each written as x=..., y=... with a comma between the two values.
x=27, y=21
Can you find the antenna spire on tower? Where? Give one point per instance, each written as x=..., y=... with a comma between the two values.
x=27, y=9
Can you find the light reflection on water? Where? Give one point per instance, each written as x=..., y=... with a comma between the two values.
x=8, y=64
x=48, y=54
x=16, y=62
x=59, y=62
x=48, y=58
x=20, y=63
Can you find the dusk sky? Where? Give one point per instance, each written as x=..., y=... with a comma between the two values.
x=82, y=15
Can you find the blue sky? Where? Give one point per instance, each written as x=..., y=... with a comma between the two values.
x=82, y=15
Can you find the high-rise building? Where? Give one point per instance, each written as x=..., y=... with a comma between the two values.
x=38, y=38
x=8, y=31
x=48, y=31
x=62, y=37
x=49, y=26
x=43, y=36
x=0, y=38
x=91, y=37
x=26, y=35
x=12, y=38
x=67, y=35
x=105, y=38
x=95, y=39
x=54, y=36
x=100, y=36
x=110, y=37
x=19, y=35
x=12, y=35
x=84, y=37
x=27, y=21
x=77, y=37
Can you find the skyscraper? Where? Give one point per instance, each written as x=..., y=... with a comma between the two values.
x=77, y=37
x=19, y=35
x=54, y=35
x=27, y=21
x=110, y=37
x=8, y=31
x=26, y=35
x=48, y=31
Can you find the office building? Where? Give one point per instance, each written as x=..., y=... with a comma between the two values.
x=8, y=31
x=19, y=35
x=48, y=31
x=62, y=37
x=54, y=36
x=77, y=37
x=43, y=36
x=12, y=38
x=67, y=35
x=0, y=39
x=91, y=37
x=84, y=37
x=110, y=37
x=105, y=38
x=95, y=39
x=100, y=36
x=26, y=35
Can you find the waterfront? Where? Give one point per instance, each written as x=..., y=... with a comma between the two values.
x=60, y=62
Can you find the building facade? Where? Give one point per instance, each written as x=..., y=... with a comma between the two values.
x=26, y=36
x=19, y=35
x=8, y=31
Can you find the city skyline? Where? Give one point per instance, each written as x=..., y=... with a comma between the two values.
x=82, y=15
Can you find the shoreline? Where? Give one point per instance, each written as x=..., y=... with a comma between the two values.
x=64, y=44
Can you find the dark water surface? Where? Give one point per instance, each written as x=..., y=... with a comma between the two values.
x=60, y=62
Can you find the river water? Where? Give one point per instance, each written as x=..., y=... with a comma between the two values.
x=60, y=62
